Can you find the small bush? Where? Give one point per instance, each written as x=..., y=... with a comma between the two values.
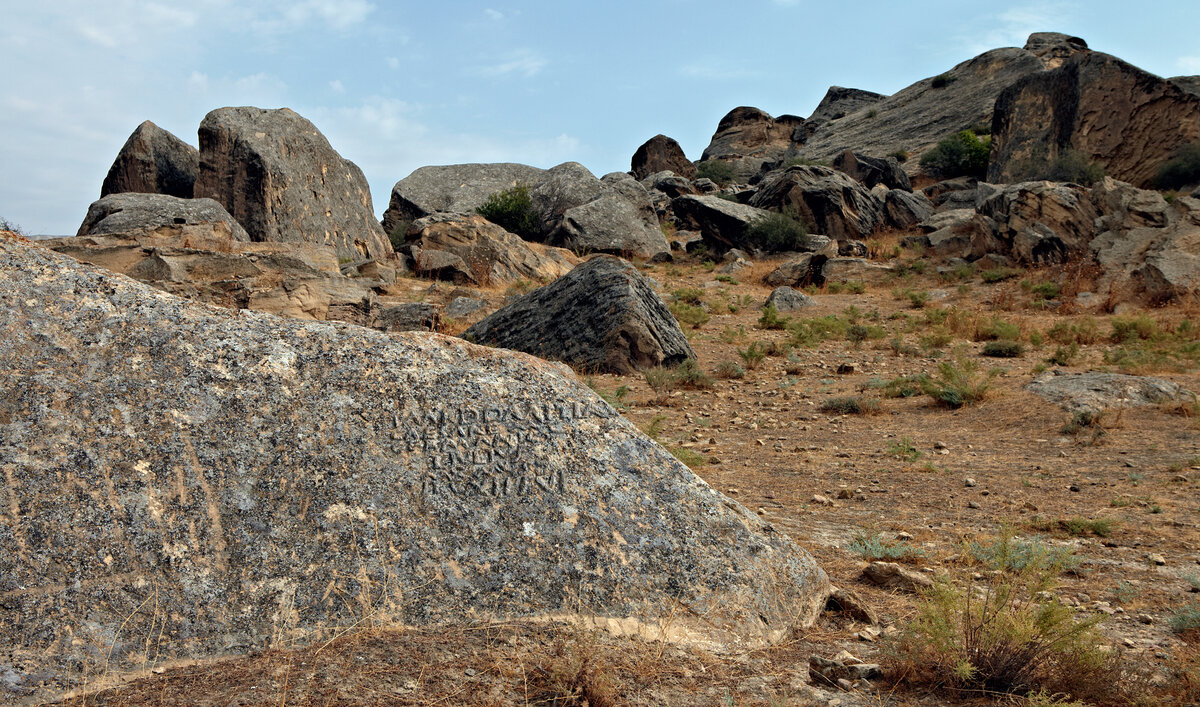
x=770, y=319
x=6, y=225
x=728, y=369
x=958, y=384
x=753, y=355
x=1186, y=618
x=942, y=81
x=901, y=387
x=1083, y=420
x=1183, y=169
x=777, y=232
x=689, y=375
x=689, y=295
x=1127, y=330
x=873, y=547
x=900, y=155
x=904, y=450
x=1003, y=349
x=1073, y=166
x=512, y=209
x=1083, y=331
x=1009, y=554
x=959, y=155
x=999, y=274
x=716, y=170
x=661, y=381
x=850, y=405
x=1063, y=355
x=997, y=330
x=692, y=316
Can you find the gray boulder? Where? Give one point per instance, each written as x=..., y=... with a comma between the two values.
x=1037, y=223
x=829, y=201
x=787, y=299
x=486, y=253
x=153, y=161
x=903, y=210
x=120, y=213
x=603, y=316
x=721, y=223
x=661, y=154
x=1053, y=48
x=873, y=170
x=1093, y=392
x=748, y=139
x=279, y=177
x=839, y=102
x=798, y=271
x=669, y=183
x=590, y=215
x=855, y=270
x=219, y=483
x=459, y=188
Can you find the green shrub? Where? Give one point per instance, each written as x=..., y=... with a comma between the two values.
x=942, y=80
x=512, y=209
x=753, y=355
x=1002, y=349
x=1006, y=553
x=689, y=374
x=1073, y=166
x=1186, y=618
x=997, y=329
x=661, y=380
x=873, y=547
x=695, y=317
x=900, y=387
x=716, y=170
x=850, y=405
x=1063, y=355
x=770, y=319
x=959, y=155
x=690, y=458
x=1183, y=169
x=904, y=449
x=728, y=369
x=900, y=155
x=1132, y=329
x=958, y=384
x=1082, y=331
x=774, y=233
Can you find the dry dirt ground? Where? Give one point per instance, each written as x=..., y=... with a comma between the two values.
x=937, y=478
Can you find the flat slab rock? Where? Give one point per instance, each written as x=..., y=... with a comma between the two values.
x=183, y=482
x=1094, y=392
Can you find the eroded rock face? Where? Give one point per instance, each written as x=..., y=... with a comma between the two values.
x=1037, y=223
x=603, y=316
x=280, y=178
x=205, y=482
x=721, y=223
x=746, y=138
x=153, y=161
x=458, y=188
x=1053, y=48
x=119, y=213
x=1094, y=391
x=488, y=253
x=1112, y=112
x=839, y=102
x=873, y=170
x=829, y=201
x=661, y=154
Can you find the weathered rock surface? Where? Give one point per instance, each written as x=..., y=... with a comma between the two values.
x=1188, y=84
x=669, y=183
x=1037, y=223
x=787, y=299
x=903, y=210
x=721, y=223
x=1093, y=392
x=1112, y=112
x=280, y=178
x=890, y=575
x=185, y=482
x=829, y=201
x=799, y=271
x=855, y=270
x=118, y=213
x=747, y=138
x=661, y=154
x=620, y=221
x=602, y=316
x=839, y=102
x=458, y=188
x=1053, y=48
x=1149, y=250
x=873, y=170
x=153, y=161
x=487, y=254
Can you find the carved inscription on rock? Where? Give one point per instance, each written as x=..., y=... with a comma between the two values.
x=490, y=452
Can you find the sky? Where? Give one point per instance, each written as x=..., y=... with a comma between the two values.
x=399, y=85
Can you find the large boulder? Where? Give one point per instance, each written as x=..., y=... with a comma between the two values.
x=458, y=188
x=588, y=215
x=602, y=316
x=1095, y=392
x=902, y=209
x=661, y=154
x=722, y=223
x=828, y=200
x=279, y=177
x=184, y=482
x=798, y=271
x=489, y=254
x=748, y=138
x=1104, y=109
x=873, y=170
x=153, y=161
x=119, y=213
x=1054, y=48
x=839, y=102
x=1037, y=223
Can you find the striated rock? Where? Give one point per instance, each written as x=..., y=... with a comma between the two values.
x=1123, y=206
x=787, y=299
x=855, y=270
x=1037, y=223
x=839, y=102
x=748, y=138
x=279, y=177
x=118, y=213
x=409, y=316
x=590, y=215
x=487, y=254
x=829, y=201
x=800, y=271
x=218, y=483
x=1188, y=84
x=669, y=183
x=872, y=170
x=890, y=575
x=1111, y=112
x=153, y=161
x=1053, y=48
x=1094, y=392
x=1148, y=249
x=603, y=316
x=465, y=307
x=459, y=188
x=661, y=154
x=903, y=210
x=721, y=223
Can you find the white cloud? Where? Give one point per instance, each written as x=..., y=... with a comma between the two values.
x=524, y=62
x=336, y=86
x=710, y=71
x=495, y=15
x=1188, y=64
x=393, y=62
x=1013, y=26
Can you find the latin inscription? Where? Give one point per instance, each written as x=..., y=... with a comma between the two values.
x=490, y=452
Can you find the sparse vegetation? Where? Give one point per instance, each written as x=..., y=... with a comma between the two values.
x=690, y=315
x=776, y=232
x=770, y=318
x=728, y=369
x=1183, y=169
x=512, y=209
x=958, y=383
x=874, y=547
x=904, y=450
x=960, y=155
x=850, y=405
x=717, y=170
x=1003, y=348
x=753, y=355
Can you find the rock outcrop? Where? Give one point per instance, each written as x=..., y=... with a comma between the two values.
x=839, y=102
x=873, y=170
x=1094, y=392
x=280, y=178
x=153, y=161
x=119, y=213
x=829, y=201
x=1111, y=112
x=721, y=223
x=603, y=316
x=1036, y=223
x=747, y=138
x=184, y=482
x=1053, y=48
x=661, y=154
x=489, y=255
x=458, y=188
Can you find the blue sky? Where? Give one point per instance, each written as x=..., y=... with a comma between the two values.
x=395, y=86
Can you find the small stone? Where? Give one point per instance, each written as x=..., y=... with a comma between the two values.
x=1145, y=619
x=972, y=504
x=1074, y=488
x=940, y=445
x=822, y=500
x=1157, y=559
x=904, y=536
x=969, y=482
x=845, y=493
